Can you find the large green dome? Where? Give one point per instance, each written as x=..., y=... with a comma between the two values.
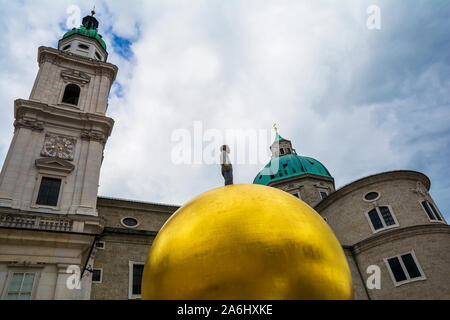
x=290, y=165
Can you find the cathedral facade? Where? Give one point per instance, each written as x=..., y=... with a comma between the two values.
x=59, y=240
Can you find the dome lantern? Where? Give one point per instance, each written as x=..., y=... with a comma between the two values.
x=85, y=40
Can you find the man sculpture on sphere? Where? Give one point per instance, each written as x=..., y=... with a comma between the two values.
x=227, y=168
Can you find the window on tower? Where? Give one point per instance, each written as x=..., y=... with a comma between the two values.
x=49, y=192
x=71, y=94
x=323, y=194
x=281, y=151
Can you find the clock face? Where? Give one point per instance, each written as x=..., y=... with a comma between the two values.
x=59, y=147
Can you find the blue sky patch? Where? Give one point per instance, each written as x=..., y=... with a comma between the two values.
x=117, y=90
x=122, y=46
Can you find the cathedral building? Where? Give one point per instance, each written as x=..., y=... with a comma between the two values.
x=55, y=229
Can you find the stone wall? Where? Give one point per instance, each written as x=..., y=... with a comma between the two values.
x=402, y=191
x=307, y=185
x=431, y=247
x=346, y=210
x=123, y=244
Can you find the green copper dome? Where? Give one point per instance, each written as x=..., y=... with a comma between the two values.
x=88, y=29
x=290, y=165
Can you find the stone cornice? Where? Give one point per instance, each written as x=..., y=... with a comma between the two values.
x=55, y=56
x=300, y=177
x=95, y=135
x=130, y=231
x=32, y=124
x=54, y=164
x=75, y=76
x=48, y=222
x=399, y=233
x=33, y=114
x=376, y=178
x=136, y=205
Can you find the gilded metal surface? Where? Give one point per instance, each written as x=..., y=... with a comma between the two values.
x=246, y=241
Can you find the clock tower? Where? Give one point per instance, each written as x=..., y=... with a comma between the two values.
x=53, y=163
x=49, y=181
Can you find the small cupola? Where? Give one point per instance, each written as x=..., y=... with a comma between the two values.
x=85, y=41
x=280, y=146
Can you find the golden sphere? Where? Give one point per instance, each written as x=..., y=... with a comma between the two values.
x=246, y=241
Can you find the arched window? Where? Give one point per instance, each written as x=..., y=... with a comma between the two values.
x=71, y=94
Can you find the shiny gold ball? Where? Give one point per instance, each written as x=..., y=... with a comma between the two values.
x=246, y=241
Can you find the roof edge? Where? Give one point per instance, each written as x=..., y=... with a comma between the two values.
x=137, y=201
x=378, y=177
x=300, y=176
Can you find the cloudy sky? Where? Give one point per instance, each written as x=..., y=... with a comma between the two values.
x=359, y=100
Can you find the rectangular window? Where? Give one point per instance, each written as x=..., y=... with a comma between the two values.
x=97, y=275
x=428, y=211
x=397, y=270
x=435, y=211
x=375, y=219
x=323, y=194
x=381, y=218
x=100, y=245
x=49, y=192
x=410, y=265
x=281, y=151
x=135, y=279
x=20, y=286
x=296, y=194
x=404, y=268
x=387, y=217
x=431, y=211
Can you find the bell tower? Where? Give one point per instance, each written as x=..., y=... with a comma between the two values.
x=49, y=181
x=53, y=163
